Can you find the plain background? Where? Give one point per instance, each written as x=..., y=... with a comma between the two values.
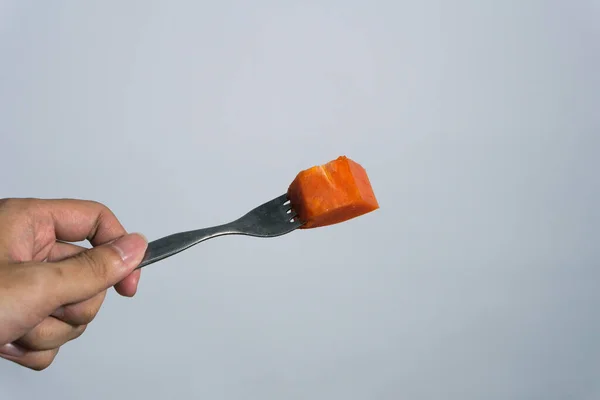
x=477, y=121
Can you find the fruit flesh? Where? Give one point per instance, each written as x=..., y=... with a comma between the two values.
x=332, y=193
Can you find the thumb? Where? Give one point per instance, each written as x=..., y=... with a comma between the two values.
x=93, y=271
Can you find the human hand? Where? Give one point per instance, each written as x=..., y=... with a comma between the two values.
x=51, y=289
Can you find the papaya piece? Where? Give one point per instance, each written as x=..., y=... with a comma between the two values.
x=332, y=193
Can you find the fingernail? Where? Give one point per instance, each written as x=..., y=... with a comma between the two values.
x=131, y=247
x=59, y=313
x=12, y=350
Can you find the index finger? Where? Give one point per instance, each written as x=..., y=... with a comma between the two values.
x=76, y=220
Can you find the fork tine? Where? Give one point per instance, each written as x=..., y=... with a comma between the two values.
x=284, y=202
x=296, y=223
x=272, y=218
x=281, y=199
x=289, y=211
x=275, y=203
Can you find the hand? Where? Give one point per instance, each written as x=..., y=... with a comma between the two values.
x=50, y=290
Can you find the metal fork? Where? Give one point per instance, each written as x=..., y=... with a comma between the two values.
x=274, y=218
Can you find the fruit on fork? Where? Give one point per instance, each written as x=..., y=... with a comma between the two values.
x=332, y=193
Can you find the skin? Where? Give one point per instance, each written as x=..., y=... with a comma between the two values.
x=50, y=289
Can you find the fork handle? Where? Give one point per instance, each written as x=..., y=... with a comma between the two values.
x=170, y=245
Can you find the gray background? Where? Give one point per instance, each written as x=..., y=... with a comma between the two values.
x=477, y=121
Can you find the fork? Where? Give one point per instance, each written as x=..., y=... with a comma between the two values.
x=271, y=219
